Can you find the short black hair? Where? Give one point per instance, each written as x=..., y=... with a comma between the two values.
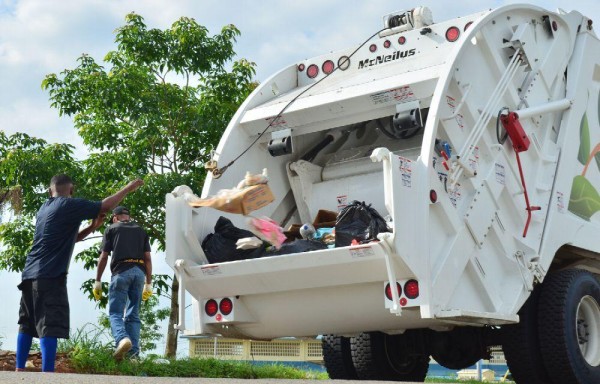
x=121, y=210
x=60, y=179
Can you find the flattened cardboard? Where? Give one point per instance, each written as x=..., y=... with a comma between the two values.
x=243, y=202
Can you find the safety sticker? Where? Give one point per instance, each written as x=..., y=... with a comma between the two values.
x=560, y=202
x=474, y=159
x=361, y=252
x=405, y=171
x=210, y=270
x=455, y=194
x=402, y=94
x=276, y=121
x=451, y=101
x=500, y=174
x=342, y=201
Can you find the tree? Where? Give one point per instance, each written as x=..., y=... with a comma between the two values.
x=155, y=109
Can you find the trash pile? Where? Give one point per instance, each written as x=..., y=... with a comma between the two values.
x=357, y=223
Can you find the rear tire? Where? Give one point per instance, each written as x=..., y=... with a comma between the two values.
x=338, y=357
x=459, y=348
x=569, y=327
x=378, y=356
x=521, y=345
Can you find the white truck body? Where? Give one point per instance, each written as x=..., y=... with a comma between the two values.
x=466, y=249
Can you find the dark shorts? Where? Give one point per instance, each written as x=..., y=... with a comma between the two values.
x=44, y=309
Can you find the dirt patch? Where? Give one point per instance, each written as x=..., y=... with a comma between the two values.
x=34, y=362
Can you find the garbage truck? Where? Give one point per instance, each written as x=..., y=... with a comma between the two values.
x=478, y=140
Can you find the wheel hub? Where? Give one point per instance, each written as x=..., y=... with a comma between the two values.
x=588, y=330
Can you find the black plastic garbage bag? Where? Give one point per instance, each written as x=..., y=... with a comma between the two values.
x=297, y=246
x=220, y=246
x=358, y=221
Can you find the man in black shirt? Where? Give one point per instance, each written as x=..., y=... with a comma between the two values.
x=131, y=266
x=44, y=307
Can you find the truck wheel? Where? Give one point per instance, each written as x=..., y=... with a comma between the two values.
x=521, y=346
x=377, y=356
x=338, y=357
x=569, y=327
x=457, y=349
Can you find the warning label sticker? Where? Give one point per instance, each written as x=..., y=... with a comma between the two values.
x=560, y=202
x=211, y=270
x=451, y=101
x=455, y=194
x=396, y=95
x=405, y=171
x=342, y=201
x=361, y=252
x=500, y=174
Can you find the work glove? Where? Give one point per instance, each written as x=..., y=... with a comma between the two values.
x=147, y=291
x=97, y=291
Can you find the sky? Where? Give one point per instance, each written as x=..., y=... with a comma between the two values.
x=39, y=37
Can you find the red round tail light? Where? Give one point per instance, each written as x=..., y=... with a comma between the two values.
x=300, y=67
x=372, y=47
x=211, y=307
x=226, y=306
x=433, y=196
x=452, y=34
x=388, y=290
x=411, y=289
x=328, y=67
x=312, y=71
x=401, y=40
x=387, y=44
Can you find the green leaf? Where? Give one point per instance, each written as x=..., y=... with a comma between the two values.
x=584, y=200
x=584, y=140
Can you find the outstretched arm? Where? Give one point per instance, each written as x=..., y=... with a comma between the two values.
x=95, y=224
x=112, y=201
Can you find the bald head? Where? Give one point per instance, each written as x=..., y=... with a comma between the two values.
x=61, y=185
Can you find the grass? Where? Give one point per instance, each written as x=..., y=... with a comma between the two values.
x=101, y=361
x=90, y=351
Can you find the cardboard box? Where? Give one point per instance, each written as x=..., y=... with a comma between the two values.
x=323, y=219
x=245, y=201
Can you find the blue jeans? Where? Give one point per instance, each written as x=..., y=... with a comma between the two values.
x=124, y=299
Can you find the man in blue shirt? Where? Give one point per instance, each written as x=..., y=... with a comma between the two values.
x=44, y=308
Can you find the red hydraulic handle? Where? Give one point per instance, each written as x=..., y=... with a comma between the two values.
x=529, y=208
x=520, y=143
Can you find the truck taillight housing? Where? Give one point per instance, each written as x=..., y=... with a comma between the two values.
x=411, y=289
x=300, y=67
x=328, y=67
x=344, y=63
x=388, y=290
x=401, y=40
x=373, y=48
x=211, y=307
x=312, y=71
x=452, y=34
x=433, y=196
x=226, y=306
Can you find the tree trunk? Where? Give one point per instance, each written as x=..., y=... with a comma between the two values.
x=172, y=333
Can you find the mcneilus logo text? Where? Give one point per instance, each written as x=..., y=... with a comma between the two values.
x=385, y=59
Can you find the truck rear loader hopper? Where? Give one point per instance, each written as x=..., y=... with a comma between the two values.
x=477, y=137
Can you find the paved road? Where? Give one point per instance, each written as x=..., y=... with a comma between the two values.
x=68, y=378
